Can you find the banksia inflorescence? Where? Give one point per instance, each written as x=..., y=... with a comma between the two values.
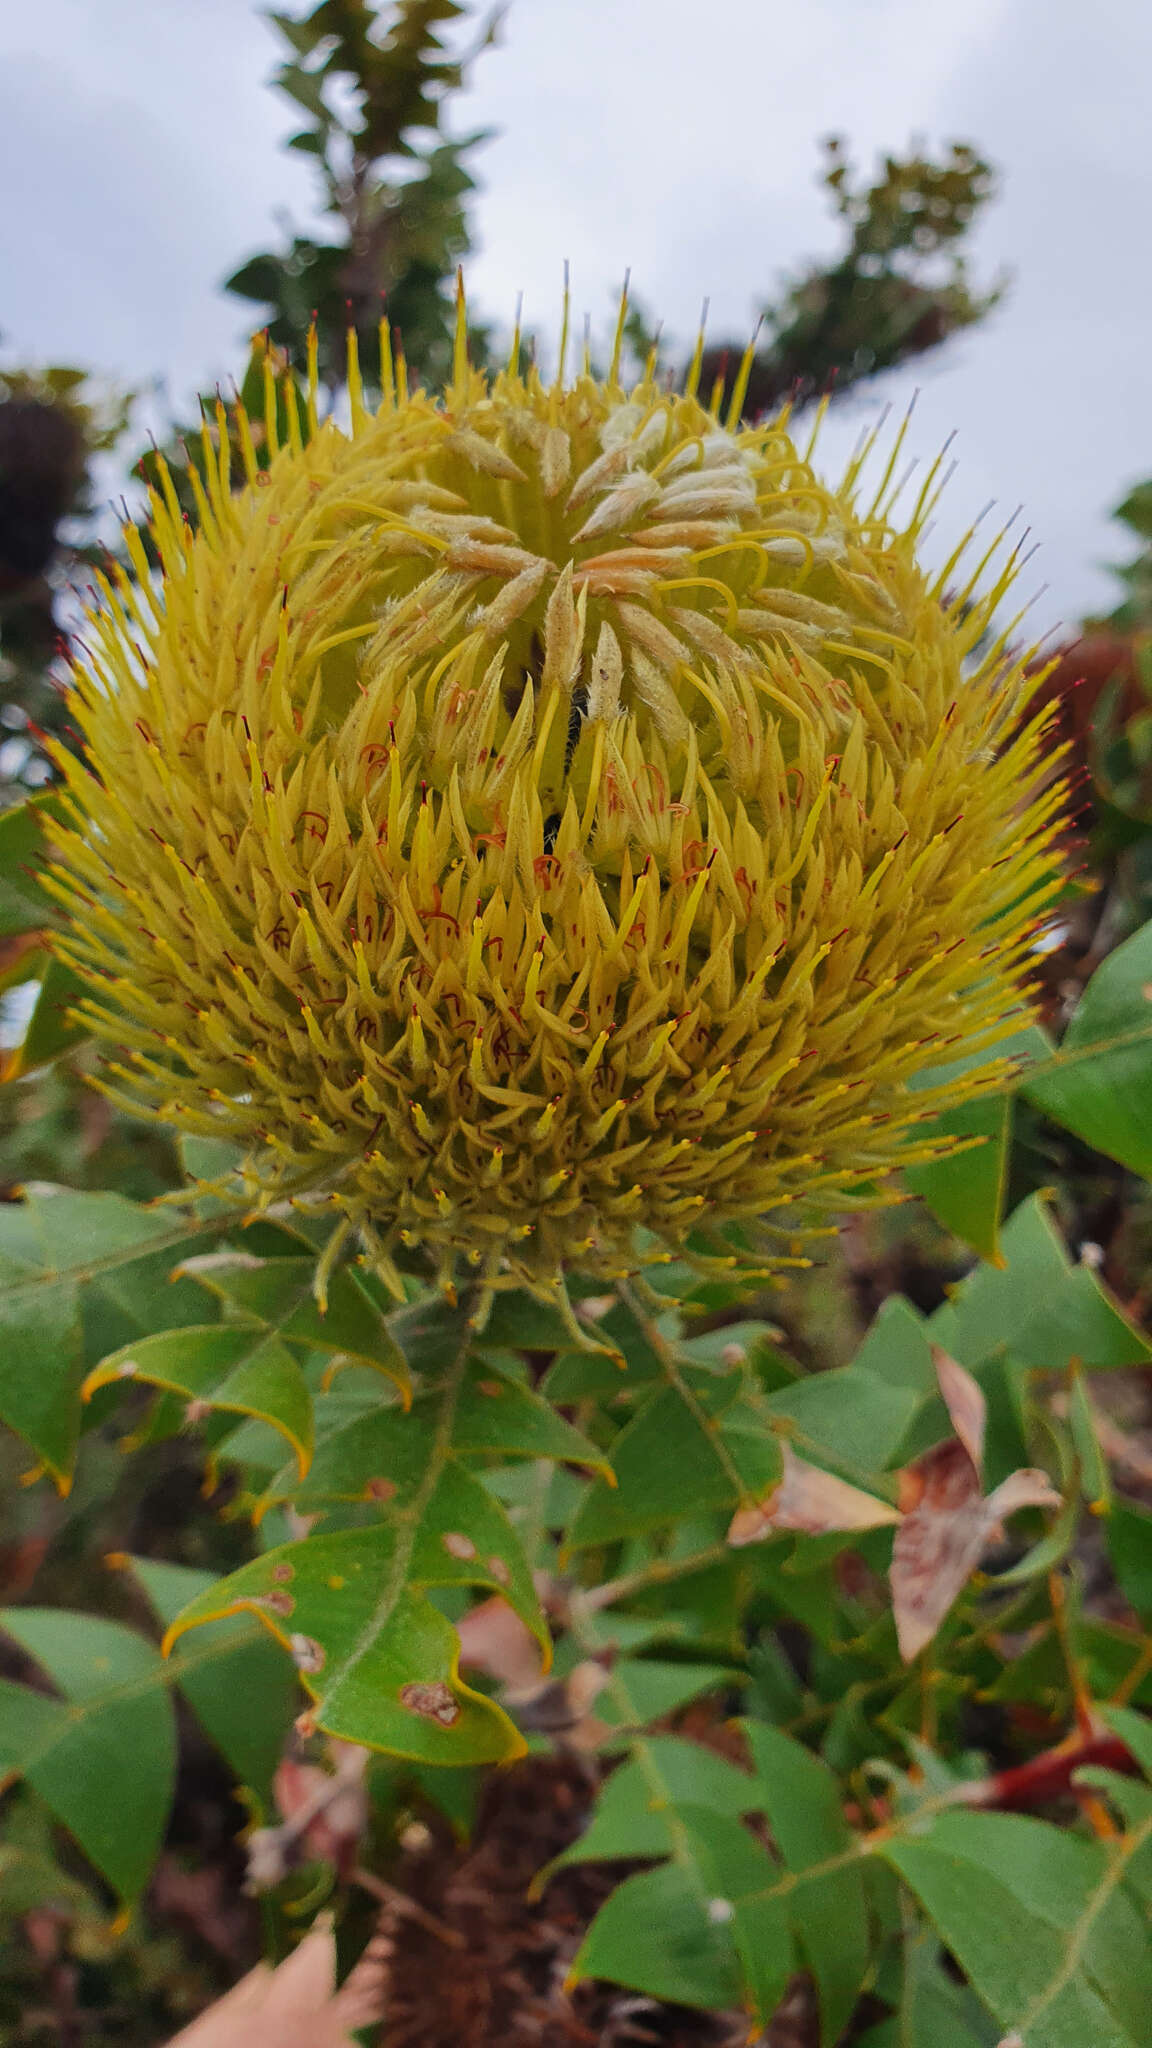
x=544, y=811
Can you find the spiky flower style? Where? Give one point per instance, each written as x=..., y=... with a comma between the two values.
x=544, y=811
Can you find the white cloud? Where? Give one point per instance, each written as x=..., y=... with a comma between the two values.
x=678, y=138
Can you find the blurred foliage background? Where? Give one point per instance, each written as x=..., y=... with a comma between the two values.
x=375, y=87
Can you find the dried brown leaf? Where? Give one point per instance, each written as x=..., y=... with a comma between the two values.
x=494, y=1639
x=946, y=1528
x=296, y=2005
x=965, y=1403
x=811, y=1501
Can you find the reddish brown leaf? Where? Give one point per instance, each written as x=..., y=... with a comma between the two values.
x=965, y=1403
x=946, y=1528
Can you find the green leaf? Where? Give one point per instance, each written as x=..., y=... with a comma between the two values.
x=103, y=1758
x=1100, y=1082
x=1040, y=1307
x=645, y=1690
x=52, y=1247
x=704, y=1930
x=1129, y=1533
x=382, y=1454
x=1095, y=1479
x=635, y=1805
x=674, y=1452
x=380, y=1662
x=221, y=1365
x=240, y=1685
x=966, y=1190
x=935, y=2011
x=1135, y=1730
x=595, y=1376
x=739, y=1881
x=803, y=1804
x=31, y=1878
x=898, y=1349
x=655, y=1935
x=1040, y=1923
x=24, y=905
x=51, y=1030
x=378, y=1658
x=278, y=1294
x=849, y=1416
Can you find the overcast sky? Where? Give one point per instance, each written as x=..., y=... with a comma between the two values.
x=140, y=164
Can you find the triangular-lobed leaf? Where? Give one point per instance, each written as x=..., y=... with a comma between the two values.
x=966, y=1189
x=279, y=1295
x=382, y=1454
x=1040, y=1922
x=55, y=1246
x=232, y=1366
x=633, y=1819
x=1099, y=1084
x=693, y=1441
x=1045, y=1311
x=104, y=1757
x=803, y=1804
x=378, y=1657
x=240, y=1685
x=25, y=905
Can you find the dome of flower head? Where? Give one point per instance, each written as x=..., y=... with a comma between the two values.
x=543, y=812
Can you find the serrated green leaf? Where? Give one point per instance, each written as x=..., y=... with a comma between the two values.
x=52, y=1029
x=1040, y=1923
x=645, y=1690
x=673, y=1452
x=1040, y=1307
x=739, y=1879
x=383, y=1454
x=654, y=1934
x=897, y=1348
x=707, y=1929
x=52, y=1246
x=379, y=1661
x=103, y=1758
x=1100, y=1082
x=634, y=1807
x=278, y=1294
x=935, y=2011
x=220, y=1365
x=240, y=1685
x=847, y=1416
x=592, y=1376
x=804, y=1807
x=966, y=1189
x=24, y=905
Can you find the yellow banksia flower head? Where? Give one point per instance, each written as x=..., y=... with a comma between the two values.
x=543, y=811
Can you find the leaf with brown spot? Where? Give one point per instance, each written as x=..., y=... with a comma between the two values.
x=377, y=1657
